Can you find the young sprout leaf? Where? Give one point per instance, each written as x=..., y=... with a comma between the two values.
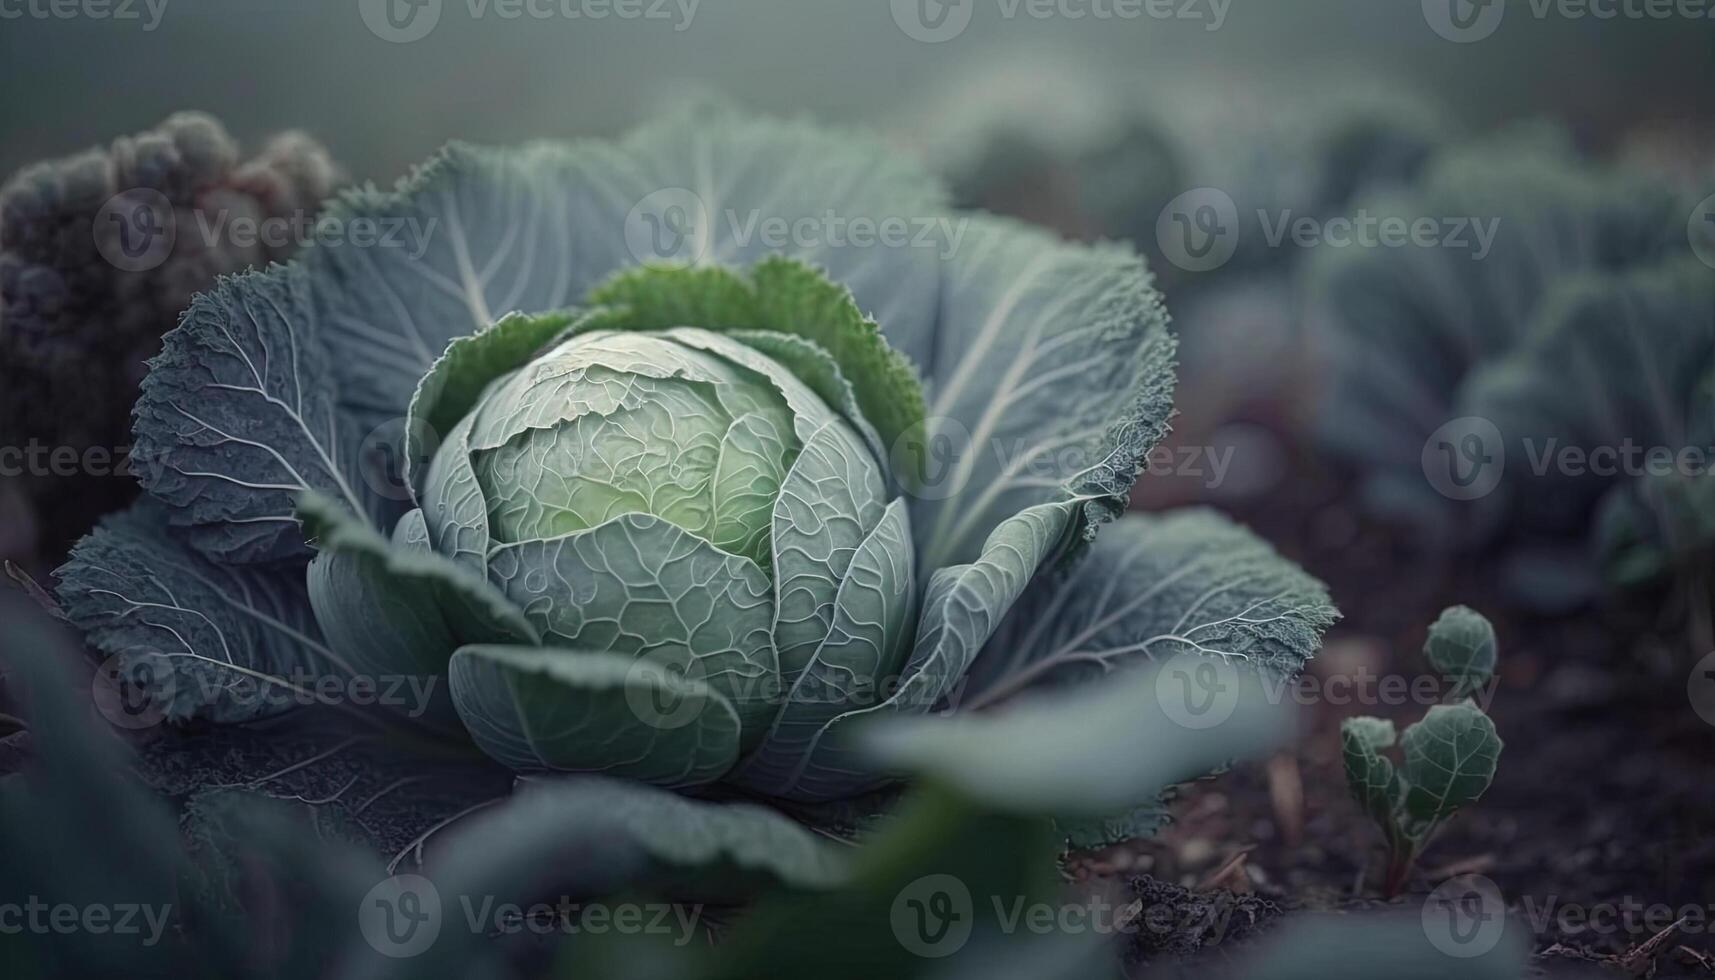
x=1450, y=759
x=1461, y=648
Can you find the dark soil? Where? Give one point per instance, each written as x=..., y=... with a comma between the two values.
x=1604, y=801
x=1177, y=922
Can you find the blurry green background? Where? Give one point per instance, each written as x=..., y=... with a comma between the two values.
x=263, y=65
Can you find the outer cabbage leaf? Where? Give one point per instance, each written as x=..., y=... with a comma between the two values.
x=220, y=642
x=576, y=711
x=396, y=612
x=1052, y=378
x=817, y=369
x=412, y=532
x=389, y=786
x=455, y=509
x=629, y=836
x=745, y=170
x=829, y=502
x=238, y=415
x=1150, y=588
x=451, y=388
x=961, y=607
x=313, y=865
x=536, y=228
x=590, y=839
x=98, y=838
x=1035, y=758
x=862, y=649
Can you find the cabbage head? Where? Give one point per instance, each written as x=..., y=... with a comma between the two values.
x=676, y=459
